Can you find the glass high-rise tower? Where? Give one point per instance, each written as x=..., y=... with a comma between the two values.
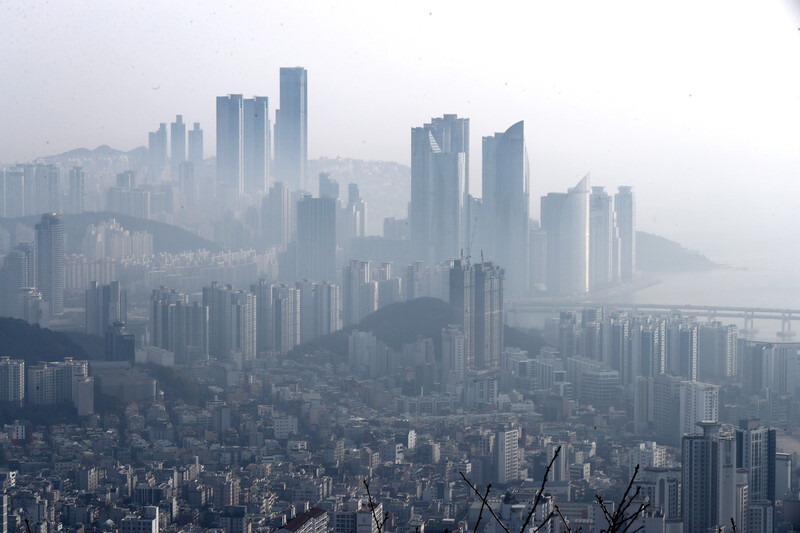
x=291, y=129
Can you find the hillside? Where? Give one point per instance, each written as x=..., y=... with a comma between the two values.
x=404, y=322
x=166, y=238
x=20, y=340
x=657, y=254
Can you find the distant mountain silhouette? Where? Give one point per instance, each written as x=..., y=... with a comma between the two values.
x=657, y=254
x=166, y=237
x=404, y=322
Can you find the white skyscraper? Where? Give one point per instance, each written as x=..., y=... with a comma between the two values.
x=603, y=240
x=565, y=218
x=506, y=199
x=625, y=209
x=12, y=381
x=439, y=179
x=507, y=455
x=699, y=402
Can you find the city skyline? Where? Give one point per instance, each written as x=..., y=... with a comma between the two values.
x=590, y=112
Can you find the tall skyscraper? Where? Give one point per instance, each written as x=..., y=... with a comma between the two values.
x=488, y=315
x=12, y=383
x=462, y=298
x=177, y=139
x=565, y=218
x=291, y=129
x=755, y=452
x=507, y=455
x=625, y=209
x=286, y=318
x=18, y=272
x=603, y=240
x=105, y=304
x=255, y=138
x=276, y=216
x=316, y=238
x=232, y=320
x=157, y=152
x=359, y=207
x=195, y=153
x=46, y=189
x=328, y=187
x=178, y=326
x=709, y=479
x=359, y=292
x=50, y=261
x=439, y=182
x=77, y=190
x=15, y=196
x=506, y=199
x=230, y=148
x=120, y=344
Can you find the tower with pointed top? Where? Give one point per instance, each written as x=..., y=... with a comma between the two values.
x=565, y=218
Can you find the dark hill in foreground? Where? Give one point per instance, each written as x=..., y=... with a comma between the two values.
x=166, y=237
x=404, y=322
x=20, y=340
x=657, y=254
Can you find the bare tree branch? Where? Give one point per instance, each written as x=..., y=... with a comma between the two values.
x=485, y=502
x=483, y=506
x=541, y=490
x=372, y=508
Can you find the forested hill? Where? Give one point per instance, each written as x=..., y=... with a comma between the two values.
x=657, y=254
x=166, y=238
x=404, y=322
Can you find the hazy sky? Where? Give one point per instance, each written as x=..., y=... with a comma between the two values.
x=695, y=104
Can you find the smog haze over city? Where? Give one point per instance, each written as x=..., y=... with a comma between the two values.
x=423, y=267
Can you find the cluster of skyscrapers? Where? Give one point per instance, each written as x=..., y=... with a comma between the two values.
x=583, y=242
x=32, y=276
x=243, y=139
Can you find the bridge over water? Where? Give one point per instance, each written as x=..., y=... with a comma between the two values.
x=712, y=312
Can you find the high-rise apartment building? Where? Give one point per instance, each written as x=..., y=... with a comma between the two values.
x=195, y=151
x=256, y=144
x=230, y=148
x=291, y=129
x=603, y=240
x=506, y=199
x=316, y=238
x=565, y=218
x=12, y=381
x=286, y=318
x=507, y=455
x=105, y=304
x=46, y=189
x=54, y=383
x=177, y=141
x=178, y=326
x=319, y=309
x=439, y=182
x=359, y=292
x=454, y=355
x=50, y=261
x=625, y=210
x=277, y=210
x=157, y=153
x=709, y=479
x=756, y=450
x=77, y=190
x=487, y=315
x=717, y=351
x=232, y=319
x=18, y=272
